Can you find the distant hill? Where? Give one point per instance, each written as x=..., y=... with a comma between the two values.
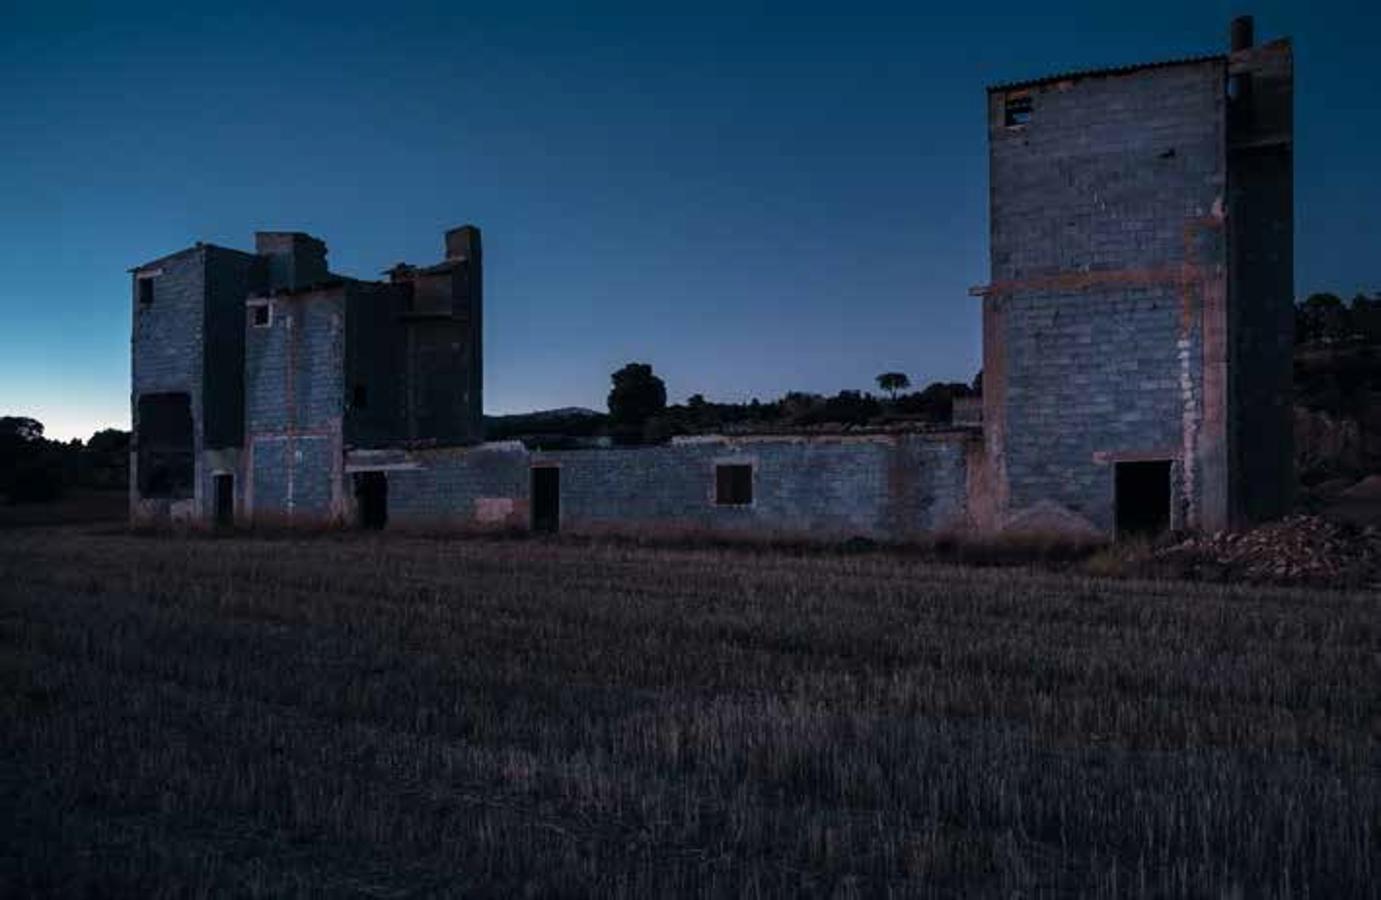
x=566, y=420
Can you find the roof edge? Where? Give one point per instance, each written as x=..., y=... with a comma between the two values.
x=1108, y=71
x=202, y=246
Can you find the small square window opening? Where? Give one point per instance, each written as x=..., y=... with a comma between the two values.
x=1017, y=110
x=259, y=315
x=733, y=484
x=145, y=291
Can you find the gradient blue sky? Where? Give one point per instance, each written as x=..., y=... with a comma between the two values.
x=754, y=198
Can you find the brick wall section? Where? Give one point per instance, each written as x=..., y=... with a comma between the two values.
x=268, y=478
x=877, y=486
x=1104, y=246
x=448, y=484
x=1094, y=374
x=294, y=369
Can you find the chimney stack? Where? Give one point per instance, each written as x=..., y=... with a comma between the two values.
x=463, y=243
x=296, y=259
x=1242, y=36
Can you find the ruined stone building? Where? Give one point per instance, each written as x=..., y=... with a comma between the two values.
x=255, y=373
x=1136, y=354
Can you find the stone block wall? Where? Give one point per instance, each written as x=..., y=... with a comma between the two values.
x=881, y=486
x=294, y=406
x=167, y=338
x=1107, y=273
x=231, y=276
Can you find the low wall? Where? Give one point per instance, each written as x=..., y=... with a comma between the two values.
x=881, y=485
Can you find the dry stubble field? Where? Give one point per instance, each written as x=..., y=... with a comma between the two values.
x=387, y=716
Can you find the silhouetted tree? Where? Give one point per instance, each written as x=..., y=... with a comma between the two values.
x=1366, y=317
x=1322, y=317
x=31, y=468
x=21, y=427
x=637, y=396
x=891, y=382
x=105, y=459
x=936, y=401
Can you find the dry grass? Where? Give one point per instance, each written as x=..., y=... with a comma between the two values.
x=81, y=505
x=386, y=716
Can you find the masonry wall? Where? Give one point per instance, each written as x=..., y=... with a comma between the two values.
x=444, y=364
x=1107, y=265
x=231, y=276
x=881, y=486
x=295, y=401
x=375, y=347
x=1261, y=281
x=167, y=337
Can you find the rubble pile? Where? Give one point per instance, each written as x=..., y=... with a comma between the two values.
x=1300, y=549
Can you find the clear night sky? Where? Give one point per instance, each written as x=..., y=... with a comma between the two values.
x=753, y=198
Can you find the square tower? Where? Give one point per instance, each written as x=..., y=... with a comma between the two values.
x=187, y=377
x=1137, y=325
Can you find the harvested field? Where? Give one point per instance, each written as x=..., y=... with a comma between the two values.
x=384, y=716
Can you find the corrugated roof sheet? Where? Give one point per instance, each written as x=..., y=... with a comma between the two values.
x=1111, y=70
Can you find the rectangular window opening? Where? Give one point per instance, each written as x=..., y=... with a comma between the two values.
x=163, y=436
x=145, y=291
x=733, y=484
x=260, y=315
x=1017, y=110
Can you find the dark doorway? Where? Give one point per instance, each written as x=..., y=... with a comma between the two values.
x=546, y=499
x=1143, y=498
x=225, y=500
x=371, y=495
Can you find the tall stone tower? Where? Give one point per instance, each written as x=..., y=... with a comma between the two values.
x=187, y=367
x=1138, y=322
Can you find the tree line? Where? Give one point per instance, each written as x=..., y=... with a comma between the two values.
x=1325, y=319
x=638, y=412
x=34, y=468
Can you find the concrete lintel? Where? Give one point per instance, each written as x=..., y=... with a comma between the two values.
x=1104, y=457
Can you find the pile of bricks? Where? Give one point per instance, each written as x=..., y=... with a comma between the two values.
x=1299, y=549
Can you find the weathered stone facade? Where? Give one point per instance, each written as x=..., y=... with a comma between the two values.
x=1115, y=332
x=1136, y=358
x=281, y=362
x=874, y=485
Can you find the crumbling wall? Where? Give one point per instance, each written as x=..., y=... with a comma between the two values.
x=1107, y=246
